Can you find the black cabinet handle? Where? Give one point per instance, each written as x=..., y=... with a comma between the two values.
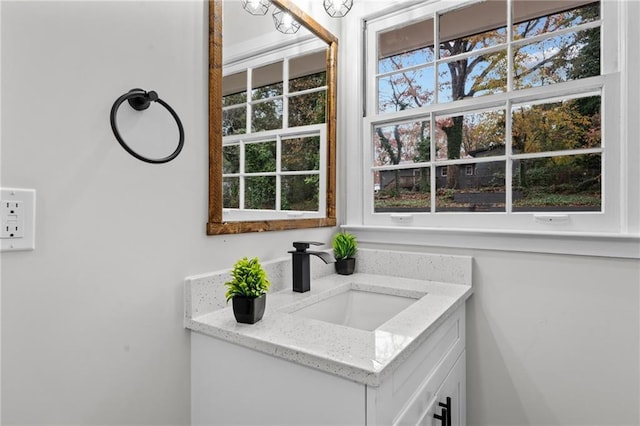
x=445, y=414
x=442, y=417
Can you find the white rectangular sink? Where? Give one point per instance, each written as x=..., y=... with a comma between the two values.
x=364, y=309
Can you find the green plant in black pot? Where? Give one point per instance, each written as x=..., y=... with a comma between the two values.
x=248, y=290
x=345, y=247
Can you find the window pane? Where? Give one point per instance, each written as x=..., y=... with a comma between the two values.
x=307, y=109
x=472, y=76
x=538, y=17
x=571, y=124
x=260, y=192
x=556, y=59
x=480, y=134
x=308, y=70
x=406, y=60
x=569, y=183
x=405, y=190
x=267, y=81
x=301, y=154
x=234, y=89
x=234, y=99
x=266, y=116
x=406, y=90
x=478, y=187
x=230, y=192
x=474, y=27
x=260, y=157
x=402, y=143
x=234, y=121
x=406, y=46
x=300, y=192
x=312, y=81
x=231, y=159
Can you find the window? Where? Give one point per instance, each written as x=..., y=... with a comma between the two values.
x=495, y=109
x=468, y=170
x=274, y=138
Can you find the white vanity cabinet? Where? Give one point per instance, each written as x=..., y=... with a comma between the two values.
x=235, y=385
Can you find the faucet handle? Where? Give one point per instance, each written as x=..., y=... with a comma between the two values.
x=303, y=245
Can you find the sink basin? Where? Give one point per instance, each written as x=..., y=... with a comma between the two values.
x=358, y=308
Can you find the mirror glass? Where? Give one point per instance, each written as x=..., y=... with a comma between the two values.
x=271, y=122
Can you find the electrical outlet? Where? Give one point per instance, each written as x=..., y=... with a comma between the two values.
x=17, y=217
x=12, y=214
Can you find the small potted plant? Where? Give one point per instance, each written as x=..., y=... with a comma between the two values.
x=345, y=247
x=248, y=290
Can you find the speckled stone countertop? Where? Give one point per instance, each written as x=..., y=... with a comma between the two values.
x=362, y=356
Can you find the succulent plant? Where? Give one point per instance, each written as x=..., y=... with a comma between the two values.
x=344, y=245
x=249, y=279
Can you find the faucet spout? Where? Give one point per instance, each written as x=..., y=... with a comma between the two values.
x=302, y=265
x=326, y=257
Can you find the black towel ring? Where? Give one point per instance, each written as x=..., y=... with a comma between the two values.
x=140, y=100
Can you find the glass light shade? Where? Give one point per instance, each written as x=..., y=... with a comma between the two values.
x=256, y=7
x=337, y=8
x=284, y=22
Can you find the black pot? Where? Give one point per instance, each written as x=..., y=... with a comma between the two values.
x=249, y=310
x=346, y=266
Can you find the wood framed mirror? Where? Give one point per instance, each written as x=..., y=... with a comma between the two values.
x=325, y=214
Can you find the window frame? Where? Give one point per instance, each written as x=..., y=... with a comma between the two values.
x=611, y=217
x=469, y=169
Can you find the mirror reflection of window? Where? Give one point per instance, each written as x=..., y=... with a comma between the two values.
x=275, y=166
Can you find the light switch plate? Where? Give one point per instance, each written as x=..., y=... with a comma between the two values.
x=17, y=214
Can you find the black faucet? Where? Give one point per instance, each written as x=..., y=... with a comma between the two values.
x=301, y=264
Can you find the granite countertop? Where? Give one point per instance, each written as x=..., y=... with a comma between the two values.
x=365, y=357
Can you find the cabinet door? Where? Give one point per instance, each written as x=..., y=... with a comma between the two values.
x=449, y=407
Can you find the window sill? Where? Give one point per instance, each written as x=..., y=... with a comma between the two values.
x=579, y=244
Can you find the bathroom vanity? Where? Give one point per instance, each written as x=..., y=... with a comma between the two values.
x=385, y=346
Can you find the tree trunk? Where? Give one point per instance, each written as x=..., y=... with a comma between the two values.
x=397, y=179
x=452, y=176
x=523, y=174
x=454, y=142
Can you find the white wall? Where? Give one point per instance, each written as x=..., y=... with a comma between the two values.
x=92, y=319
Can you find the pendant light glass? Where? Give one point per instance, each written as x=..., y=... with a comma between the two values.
x=284, y=22
x=256, y=7
x=337, y=8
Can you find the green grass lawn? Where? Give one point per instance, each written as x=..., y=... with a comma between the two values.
x=531, y=197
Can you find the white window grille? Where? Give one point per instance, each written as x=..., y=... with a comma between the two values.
x=274, y=143
x=512, y=106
